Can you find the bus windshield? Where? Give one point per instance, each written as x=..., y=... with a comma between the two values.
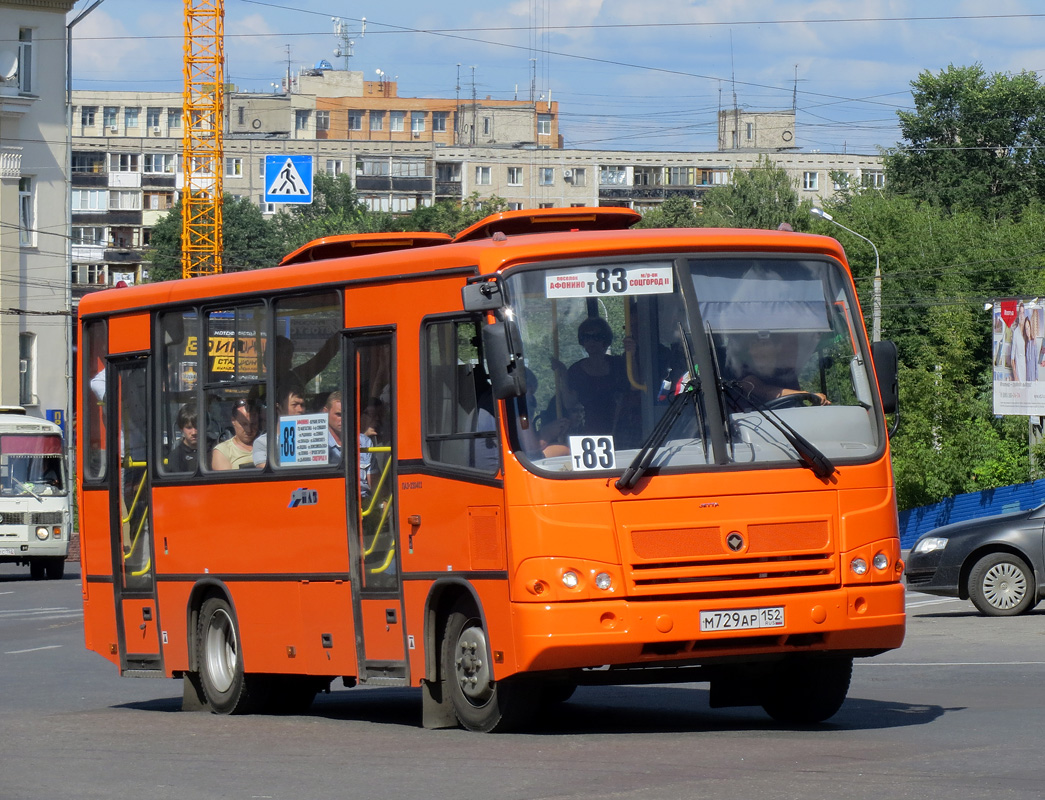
x=778, y=365
x=31, y=465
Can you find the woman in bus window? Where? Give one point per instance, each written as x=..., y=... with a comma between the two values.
x=236, y=452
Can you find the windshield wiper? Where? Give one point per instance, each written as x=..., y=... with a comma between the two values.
x=25, y=488
x=639, y=464
x=808, y=452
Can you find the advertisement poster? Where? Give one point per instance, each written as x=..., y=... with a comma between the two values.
x=1018, y=332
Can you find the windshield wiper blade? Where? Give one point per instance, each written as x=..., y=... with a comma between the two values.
x=26, y=489
x=808, y=453
x=657, y=436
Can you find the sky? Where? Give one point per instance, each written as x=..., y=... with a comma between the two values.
x=647, y=75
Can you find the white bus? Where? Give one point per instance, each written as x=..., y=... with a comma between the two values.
x=35, y=520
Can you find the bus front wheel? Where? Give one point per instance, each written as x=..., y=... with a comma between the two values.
x=805, y=691
x=480, y=703
x=225, y=686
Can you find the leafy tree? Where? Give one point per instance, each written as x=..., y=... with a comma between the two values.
x=248, y=240
x=450, y=216
x=674, y=212
x=335, y=209
x=973, y=141
x=761, y=197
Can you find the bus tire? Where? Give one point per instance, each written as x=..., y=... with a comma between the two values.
x=226, y=688
x=480, y=703
x=37, y=569
x=55, y=568
x=805, y=691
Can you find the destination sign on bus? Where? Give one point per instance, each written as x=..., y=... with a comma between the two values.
x=303, y=440
x=595, y=281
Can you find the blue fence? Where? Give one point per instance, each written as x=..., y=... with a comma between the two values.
x=1021, y=497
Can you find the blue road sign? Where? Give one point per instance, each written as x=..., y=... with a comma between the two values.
x=288, y=179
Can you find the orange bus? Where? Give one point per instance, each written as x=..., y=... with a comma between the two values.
x=548, y=452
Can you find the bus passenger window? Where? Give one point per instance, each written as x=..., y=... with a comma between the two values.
x=181, y=427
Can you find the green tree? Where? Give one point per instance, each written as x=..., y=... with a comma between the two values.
x=973, y=141
x=248, y=240
x=450, y=216
x=335, y=210
x=674, y=212
x=761, y=197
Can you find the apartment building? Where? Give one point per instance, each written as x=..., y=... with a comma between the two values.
x=35, y=327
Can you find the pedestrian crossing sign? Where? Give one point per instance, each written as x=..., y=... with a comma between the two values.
x=288, y=179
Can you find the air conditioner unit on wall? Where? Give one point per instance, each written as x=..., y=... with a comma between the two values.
x=113, y=129
x=567, y=173
x=156, y=131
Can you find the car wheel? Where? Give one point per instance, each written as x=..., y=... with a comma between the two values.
x=1002, y=585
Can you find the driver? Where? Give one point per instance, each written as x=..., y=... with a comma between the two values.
x=766, y=365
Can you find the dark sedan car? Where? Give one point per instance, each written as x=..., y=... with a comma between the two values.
x=997, y=562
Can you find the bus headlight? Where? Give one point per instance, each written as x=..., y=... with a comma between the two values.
x=570, y=579
x=858, y=566
x=42, y=533
x=604, y=581
x=880, y=561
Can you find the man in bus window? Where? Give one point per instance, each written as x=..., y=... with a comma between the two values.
x=236, y=452
x=333, y=409
x=290, y=403
x=184, y=455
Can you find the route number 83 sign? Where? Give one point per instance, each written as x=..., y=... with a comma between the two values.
x=591, y=453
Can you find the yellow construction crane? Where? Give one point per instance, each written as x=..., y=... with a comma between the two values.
x=202, y=145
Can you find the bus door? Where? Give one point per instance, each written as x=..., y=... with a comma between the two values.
x=131, y=528
x=380, y=635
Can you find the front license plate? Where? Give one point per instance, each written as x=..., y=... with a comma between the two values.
x=8, y=551
x=739, y=619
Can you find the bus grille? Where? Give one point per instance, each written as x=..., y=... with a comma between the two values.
x=47, y=518
x=775, y=557
x=12, y=518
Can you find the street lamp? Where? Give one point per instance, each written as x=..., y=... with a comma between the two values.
x=876, y=296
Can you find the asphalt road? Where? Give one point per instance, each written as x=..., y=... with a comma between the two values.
x=956, y=713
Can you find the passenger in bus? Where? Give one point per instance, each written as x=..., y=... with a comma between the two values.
x=286, y=372
x=369, y=427
x=766, y=365
x=184, y=455
x=236, y=452
x=332, y=407
x=290, y=403
x=598, y=382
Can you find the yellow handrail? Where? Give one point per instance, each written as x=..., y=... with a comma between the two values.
x=629, y=357
x=381, y=481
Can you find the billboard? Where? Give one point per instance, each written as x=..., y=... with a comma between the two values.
x=1018, y=332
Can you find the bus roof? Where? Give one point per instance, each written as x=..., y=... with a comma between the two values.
x=14, y=422
x=492, y=244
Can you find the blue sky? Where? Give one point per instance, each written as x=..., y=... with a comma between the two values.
x=627, y=75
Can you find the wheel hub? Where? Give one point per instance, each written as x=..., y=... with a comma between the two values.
x=1004, y=586
x=473, y=673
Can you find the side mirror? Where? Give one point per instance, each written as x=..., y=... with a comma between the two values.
x=503, y=359
x=885, y=359
x=482, y=295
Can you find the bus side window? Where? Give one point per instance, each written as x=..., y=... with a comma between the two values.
x=460, y=414
x=182, y=429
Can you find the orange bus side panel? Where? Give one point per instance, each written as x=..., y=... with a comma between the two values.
x=95, y=553
x=326, y=609
x=269, y=616
x=384, y=639
x=415, y=594
x=172, y=598
x=99, y=622
x=139, y=627
x=129, y=333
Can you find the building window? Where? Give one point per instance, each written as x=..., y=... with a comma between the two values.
x=377, y=120
x=26, y=368
x=323, y=120
x=123, y=162
x=515, y=176
x=482, y=176
x=546, y=205
x=810, y=181
x=90, y=200
x=266, y=208
x=335, y=167
x=125, y=201
x=88, y=163
x=750, y=130
x=109, y=117
x=301, y=120
x=580, y=177
x=680, y=176
x=439, y=121
x=233, y=167
x=873, y=179
x=515, y=206
x=87, y=115
x=152, y=117
x=546, y=176
x=355, y=119
x=417, y=122
x=840, y=181
x=90, y=235
x=449, y=172
x=25, y=60
x=159, y=201
x=26, y=204
x=613, y=176
x=544, y=124
x=398, y=121
x=174, y=118
x=159, y=163
x=130, y=117
x=487, y=126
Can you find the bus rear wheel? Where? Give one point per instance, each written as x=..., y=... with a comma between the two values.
x=225, y=686
x=805, y=691
x=480, y=703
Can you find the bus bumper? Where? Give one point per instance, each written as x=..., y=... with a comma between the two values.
x=860, y=620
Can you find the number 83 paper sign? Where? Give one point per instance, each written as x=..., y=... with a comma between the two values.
x=592, y=452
